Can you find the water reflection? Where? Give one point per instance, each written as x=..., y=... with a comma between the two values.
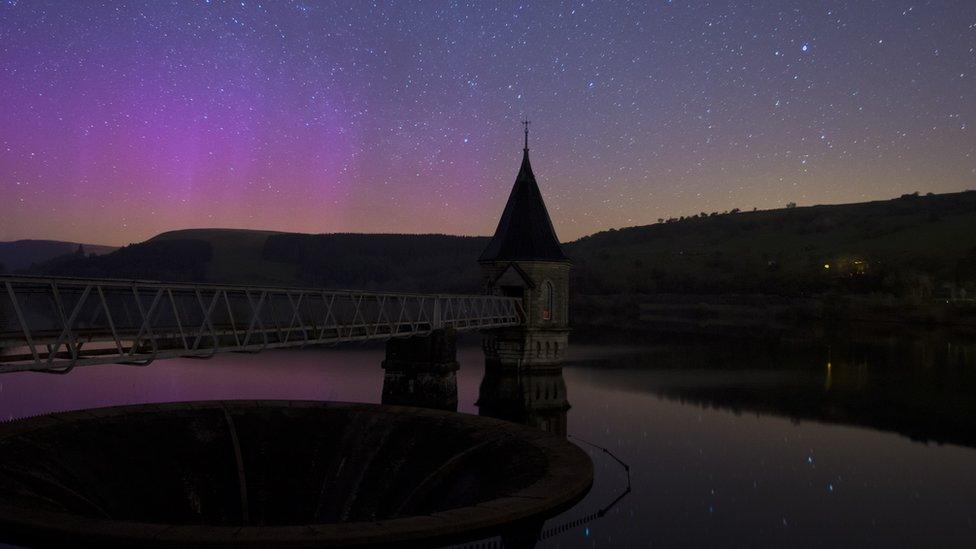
x=534, y=398
x=537, y=397
x=762, y=444
x=730, y=443
x=922, y=388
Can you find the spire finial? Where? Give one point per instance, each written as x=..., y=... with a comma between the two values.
x=525, y=122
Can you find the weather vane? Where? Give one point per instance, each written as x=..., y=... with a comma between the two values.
x=526, y=123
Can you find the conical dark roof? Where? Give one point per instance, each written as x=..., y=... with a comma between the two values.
x=525, y=231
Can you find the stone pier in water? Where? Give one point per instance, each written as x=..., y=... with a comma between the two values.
x=422, y=371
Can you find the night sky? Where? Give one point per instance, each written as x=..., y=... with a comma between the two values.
x=120, y=120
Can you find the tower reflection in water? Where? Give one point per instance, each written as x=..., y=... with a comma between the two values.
x=531, y=397
x=535, y=396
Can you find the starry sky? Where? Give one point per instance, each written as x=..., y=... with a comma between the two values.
x=120, y=120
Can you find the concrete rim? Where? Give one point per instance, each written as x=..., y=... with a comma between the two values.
x=568, y=478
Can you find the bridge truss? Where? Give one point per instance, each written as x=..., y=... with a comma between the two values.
x=56, y=324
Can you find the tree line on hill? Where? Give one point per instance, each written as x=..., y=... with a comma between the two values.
x=914, y=246
x=170, y=260
x=911, y=246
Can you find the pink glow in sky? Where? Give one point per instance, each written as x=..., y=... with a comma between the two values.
x=122, y=120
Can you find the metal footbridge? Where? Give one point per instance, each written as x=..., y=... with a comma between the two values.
x=55, y=324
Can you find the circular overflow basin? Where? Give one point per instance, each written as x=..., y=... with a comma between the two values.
x=295, y=473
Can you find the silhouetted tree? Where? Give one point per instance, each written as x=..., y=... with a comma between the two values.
x=178, y=259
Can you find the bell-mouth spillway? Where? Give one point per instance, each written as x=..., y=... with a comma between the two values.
x=286, y=473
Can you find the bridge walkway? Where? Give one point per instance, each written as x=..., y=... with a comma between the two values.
x=56, y=324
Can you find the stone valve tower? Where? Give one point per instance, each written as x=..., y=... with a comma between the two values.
x=524, y=259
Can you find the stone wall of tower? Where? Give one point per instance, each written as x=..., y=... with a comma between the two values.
x=539, y=272
x=541, y=343
x=522, y=348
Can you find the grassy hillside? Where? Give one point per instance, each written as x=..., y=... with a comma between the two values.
x=427, y=263
x=911, y=245
x=237, y=255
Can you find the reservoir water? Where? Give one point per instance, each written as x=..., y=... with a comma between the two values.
x=827, y=442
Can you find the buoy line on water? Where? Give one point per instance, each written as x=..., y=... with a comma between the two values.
x=496, y=542
x=549, y=532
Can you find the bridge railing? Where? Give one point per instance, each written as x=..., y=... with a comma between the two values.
x=55, y=324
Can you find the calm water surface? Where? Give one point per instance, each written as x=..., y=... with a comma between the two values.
x=825, y=443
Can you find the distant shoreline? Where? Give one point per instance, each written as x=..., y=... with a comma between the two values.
x=765, y=315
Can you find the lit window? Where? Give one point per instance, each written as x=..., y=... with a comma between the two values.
x=548, y=306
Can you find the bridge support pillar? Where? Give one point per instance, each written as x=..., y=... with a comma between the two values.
x=422, y=371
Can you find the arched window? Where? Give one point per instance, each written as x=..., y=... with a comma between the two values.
x=549, y=298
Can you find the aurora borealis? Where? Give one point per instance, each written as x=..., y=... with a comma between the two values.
x=120, y=120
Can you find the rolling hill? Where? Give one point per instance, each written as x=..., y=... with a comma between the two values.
x=427, y=263
x=913, y=245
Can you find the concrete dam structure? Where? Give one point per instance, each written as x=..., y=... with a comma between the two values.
x=283, y=473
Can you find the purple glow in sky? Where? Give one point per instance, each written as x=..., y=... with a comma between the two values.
x=120, y=120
